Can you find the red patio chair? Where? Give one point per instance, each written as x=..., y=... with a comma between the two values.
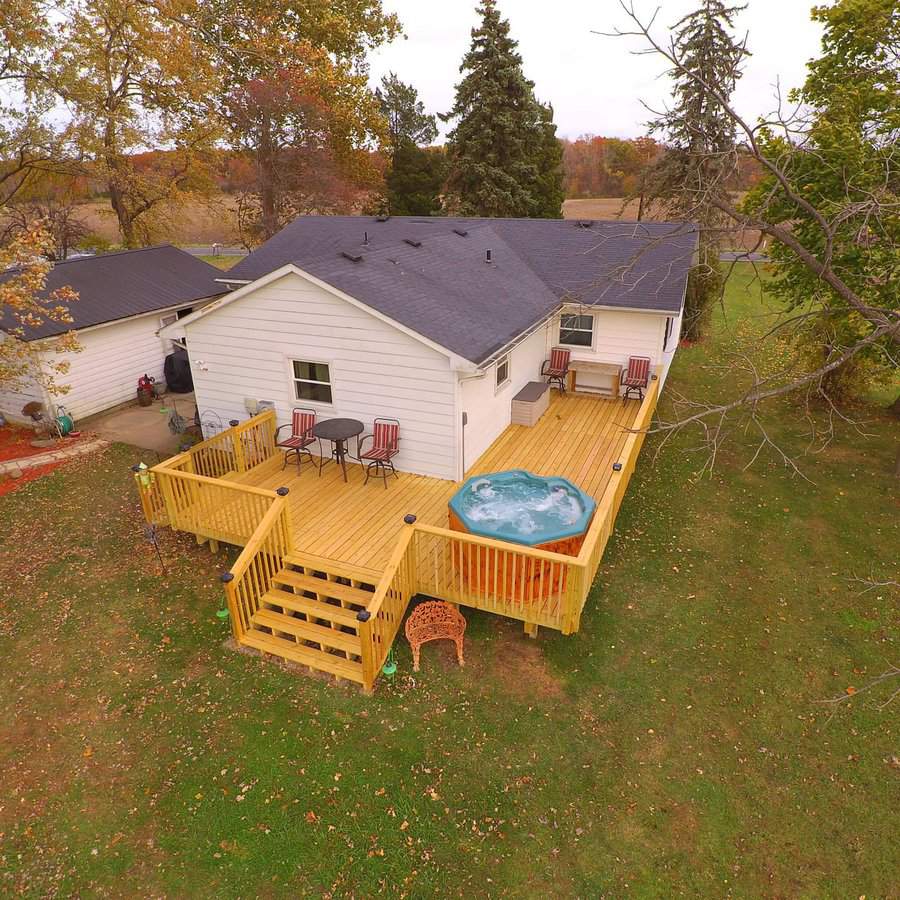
x=385, y=445
x=637, y=377
x=556, y=369
x=302, y=423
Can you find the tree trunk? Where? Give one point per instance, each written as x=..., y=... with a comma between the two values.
x=268, y=199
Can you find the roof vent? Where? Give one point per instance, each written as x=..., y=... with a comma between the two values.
x=381, y=218
x=412, y=242
x=461, y=232
x=353, y=257
x=365, y=237
x=585, y=223
x=488, y=256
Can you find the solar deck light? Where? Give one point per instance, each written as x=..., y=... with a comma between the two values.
x=283, y=491
x=409, y=518
x=617, y=467
x=363, y=615
x=234, y=422
x=225, y=577
x=389, y=669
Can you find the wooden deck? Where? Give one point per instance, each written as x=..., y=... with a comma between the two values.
x=579, y=438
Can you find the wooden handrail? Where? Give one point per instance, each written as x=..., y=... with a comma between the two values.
x=218, y=482
x=251, y=548
x=390, y=570
x=492, y=543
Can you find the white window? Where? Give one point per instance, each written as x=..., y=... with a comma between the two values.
x=576, y=331
x=312, y=381
x=502, y=371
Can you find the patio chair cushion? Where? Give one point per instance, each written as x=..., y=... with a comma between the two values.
x=296, y=442
x=378, y=453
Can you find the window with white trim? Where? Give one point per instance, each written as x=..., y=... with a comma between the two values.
x=502, y=371
x=576, y=330
x=312, y=381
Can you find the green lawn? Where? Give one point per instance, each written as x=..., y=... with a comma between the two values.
x=675, y=746
x=221, y=262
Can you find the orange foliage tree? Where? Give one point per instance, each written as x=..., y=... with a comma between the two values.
x=25, y=306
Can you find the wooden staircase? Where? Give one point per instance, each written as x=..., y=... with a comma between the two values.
x=308, y=615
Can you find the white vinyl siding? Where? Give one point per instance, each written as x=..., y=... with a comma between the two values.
x=244, y=351
x=12, y=401
x=488, y=410
x=112, y=358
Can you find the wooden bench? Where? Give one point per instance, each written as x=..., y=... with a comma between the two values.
x=530, y=403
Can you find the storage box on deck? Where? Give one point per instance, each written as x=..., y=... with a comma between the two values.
x=530, y=403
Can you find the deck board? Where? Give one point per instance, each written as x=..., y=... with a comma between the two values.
x=579, y=437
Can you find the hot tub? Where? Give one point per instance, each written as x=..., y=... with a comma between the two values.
x=516, y=506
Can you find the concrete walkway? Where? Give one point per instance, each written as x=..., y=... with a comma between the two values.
x=16, y=467
x=146, y=427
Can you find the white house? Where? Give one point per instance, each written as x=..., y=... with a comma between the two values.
x=438, y=322
x=123, y=301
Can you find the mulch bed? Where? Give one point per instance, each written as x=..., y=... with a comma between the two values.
x=15, y=443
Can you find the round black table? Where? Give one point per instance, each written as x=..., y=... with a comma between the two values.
x=338, y=431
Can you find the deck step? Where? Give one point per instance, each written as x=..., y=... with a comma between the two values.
x=322, y=587
x=307, y=656
x=307, y=631
x=333, y=567
x=331, y=612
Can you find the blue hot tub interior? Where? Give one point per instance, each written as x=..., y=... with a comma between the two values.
x=523, y=508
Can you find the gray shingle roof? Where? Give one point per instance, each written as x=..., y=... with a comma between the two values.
x=118, y=285
x=426, y=275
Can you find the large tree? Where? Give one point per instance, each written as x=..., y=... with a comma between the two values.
x=404, y=112
x=316, y=119
x=500, y=140
x=131, y=79
x=833, y=224
x=415, y=174
x=699, y=166
x=850, y=172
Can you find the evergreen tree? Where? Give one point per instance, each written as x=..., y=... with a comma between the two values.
x=500, y=142
x=415, y=177
x=405, y=112
x=549, y=191
x=701, y=162
x=414, y=180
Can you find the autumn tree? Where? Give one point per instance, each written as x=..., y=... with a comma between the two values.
x=304, y=60
x=500, y=138
x=24, y=306
x=131, y=78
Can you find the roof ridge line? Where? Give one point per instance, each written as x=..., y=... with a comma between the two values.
x=62, y=262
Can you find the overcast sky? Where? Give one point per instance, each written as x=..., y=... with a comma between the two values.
x=594, y=83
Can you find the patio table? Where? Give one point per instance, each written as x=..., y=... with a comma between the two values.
x=338, y=431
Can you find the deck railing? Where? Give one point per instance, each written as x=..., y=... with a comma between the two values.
x=379, y=623
x=535, y=586
x=510, y=580
x=260, y=560
x=237, y=449
x=191, y=491
x=608, y=506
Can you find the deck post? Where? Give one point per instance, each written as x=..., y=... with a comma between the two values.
x=227, y=580
x=531, y=629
